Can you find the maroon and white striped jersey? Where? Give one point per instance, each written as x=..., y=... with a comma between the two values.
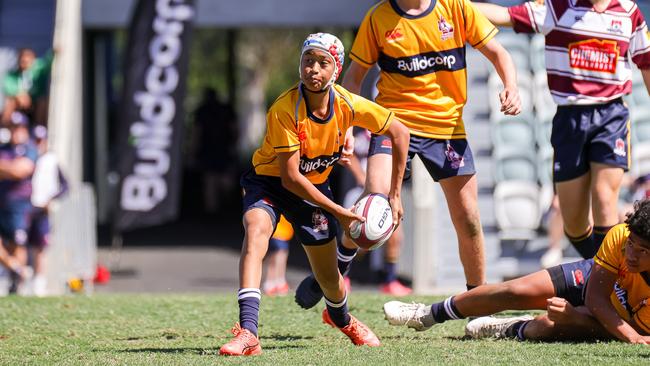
x=587, y=52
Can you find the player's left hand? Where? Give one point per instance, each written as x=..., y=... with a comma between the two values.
x=348, y=149
x=561, y=311
x=510, y=101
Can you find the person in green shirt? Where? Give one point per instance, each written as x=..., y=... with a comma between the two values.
x=26, y=87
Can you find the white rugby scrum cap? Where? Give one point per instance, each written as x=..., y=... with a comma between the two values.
x=332, y=46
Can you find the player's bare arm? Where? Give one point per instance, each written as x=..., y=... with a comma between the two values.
x=354, y=77
x=496, y=14
x=399, y=136
x=299, y=185
x=17, y=169
x=598, y=302
x=500, y=58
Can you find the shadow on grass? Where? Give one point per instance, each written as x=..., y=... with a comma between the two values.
x=280, y=337
x=194, y=351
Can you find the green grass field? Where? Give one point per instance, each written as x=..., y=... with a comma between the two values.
x=189, y=329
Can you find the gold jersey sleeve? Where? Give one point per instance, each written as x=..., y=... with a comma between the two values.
x=611, y=253
x=478, y=29
x=368, y=114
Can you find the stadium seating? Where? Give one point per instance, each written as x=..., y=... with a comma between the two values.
x=525, y=83
x=514, y=163
x=543, y=101
x=518, y=46
x=517, y=209
x=537, y=60
x=640, y=116
x=516, y=131
x=641, y=159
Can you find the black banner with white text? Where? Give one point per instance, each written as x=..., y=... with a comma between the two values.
x=151, y=114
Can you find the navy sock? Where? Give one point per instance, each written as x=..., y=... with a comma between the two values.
x=445, y=310
x=338, y=312
x=344, y=256
x=599, y=234
x=585, y=244
x=249, y=308
x=517, y=330
x=390, y=272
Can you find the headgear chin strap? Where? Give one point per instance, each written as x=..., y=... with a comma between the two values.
x=332, y=46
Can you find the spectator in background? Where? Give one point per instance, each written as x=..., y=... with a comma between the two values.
x=216, y=138
x=48, y=183
x=17, y=162
x=634, y=189
x=275, y=283
x=26, y=87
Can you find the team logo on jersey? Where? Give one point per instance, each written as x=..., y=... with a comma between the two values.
x=621, y=295
x=619, y=148
x=578, y=277
x=302, y=136
x=594, y=55
x=446, y=29
x=615, y=26
x=319, y=163
x=319, y=220
x=456, y=160
x=393, y=35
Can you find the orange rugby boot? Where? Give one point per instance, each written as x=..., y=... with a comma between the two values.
x=358, y=332
x=245, y=343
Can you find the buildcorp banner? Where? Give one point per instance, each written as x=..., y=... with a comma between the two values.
x=151, y=120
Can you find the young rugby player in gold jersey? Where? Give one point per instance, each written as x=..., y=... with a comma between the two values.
x=305, y=133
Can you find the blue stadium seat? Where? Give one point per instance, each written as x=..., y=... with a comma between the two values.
x=516, y=131
x=537, y=57
x=545, y=107
x=514, y=163
x=640, y=116
x=517, y=209
x=641, y=159
x=525, y=83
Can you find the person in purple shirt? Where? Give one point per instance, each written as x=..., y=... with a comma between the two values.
x=17, y=162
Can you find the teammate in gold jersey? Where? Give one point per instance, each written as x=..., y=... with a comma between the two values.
x=419, y=46
x=605, y=297
x=305, y=134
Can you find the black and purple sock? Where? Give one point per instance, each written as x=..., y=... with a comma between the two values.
x=338, y=311
x=344, y=258
x=249, y=308
x=584, y=244
x=517, y=330
x=390, y=272
x=445, y=310
x=599, y=234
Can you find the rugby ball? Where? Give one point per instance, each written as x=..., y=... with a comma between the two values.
x=378, y=226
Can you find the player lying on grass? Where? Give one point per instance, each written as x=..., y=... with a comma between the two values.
x=305, y=133
x=603, y=297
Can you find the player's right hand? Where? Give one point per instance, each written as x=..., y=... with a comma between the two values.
x=396, y=207
x=346, y=216
x=510, y=101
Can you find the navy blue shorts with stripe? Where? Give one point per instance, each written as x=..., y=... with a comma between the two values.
x=570, y=280
x=591, y=133
x=312, y=224
x=442, y=158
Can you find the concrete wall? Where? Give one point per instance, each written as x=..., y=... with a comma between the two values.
x=240, y=13
x=27, y=23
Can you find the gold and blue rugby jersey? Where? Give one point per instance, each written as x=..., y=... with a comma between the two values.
x=422, y=59
x=632, y=290
x=291, y=127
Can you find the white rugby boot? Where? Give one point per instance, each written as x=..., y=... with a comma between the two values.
x=491, y=327
x=413, y=315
